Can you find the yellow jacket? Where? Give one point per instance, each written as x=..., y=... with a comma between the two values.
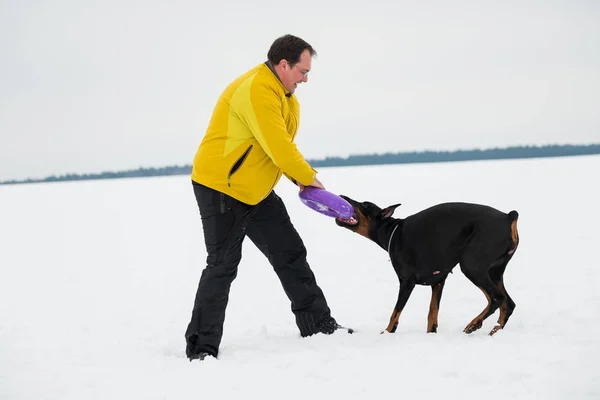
x=249, y=144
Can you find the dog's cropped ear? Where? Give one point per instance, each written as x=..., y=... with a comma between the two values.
x=388, y=211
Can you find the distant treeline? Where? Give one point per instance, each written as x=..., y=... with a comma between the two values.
x=365, y=159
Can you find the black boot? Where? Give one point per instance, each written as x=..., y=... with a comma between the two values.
x=329, y=325
x=193, y=352
x=197, y=356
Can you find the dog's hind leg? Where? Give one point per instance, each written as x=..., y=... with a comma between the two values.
x=494, y=298
x=508, y=306
x=434, y=306
x=497, y=275
x=406, y=288
x=480, y=277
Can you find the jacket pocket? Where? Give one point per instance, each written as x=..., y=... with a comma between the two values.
x=237, y=165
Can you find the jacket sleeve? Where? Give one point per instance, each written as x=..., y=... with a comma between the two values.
x=290, y=178
x=265, y=120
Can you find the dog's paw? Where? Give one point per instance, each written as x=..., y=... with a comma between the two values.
x=473, y=326
x=495, y=329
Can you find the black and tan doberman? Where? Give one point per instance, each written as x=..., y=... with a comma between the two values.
x=426, y=246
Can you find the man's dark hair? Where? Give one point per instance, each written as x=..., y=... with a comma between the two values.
x=288, y=47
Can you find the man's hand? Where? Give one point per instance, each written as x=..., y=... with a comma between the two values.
x=316, y=183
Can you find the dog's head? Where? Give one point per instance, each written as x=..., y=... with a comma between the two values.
x=367, y=217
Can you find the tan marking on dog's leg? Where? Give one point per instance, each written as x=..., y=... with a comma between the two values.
x=478, y=320
x=432, y=317
x=503, y=311
x=391, y=328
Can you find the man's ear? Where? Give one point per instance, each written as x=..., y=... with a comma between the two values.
x=388, y=211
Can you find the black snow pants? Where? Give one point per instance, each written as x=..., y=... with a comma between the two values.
x=226, y=221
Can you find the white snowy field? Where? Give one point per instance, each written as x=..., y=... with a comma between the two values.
x=97, y=282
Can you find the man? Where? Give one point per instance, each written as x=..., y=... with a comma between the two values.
x=248, y=145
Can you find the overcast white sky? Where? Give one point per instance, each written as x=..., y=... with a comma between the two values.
x=92, y=86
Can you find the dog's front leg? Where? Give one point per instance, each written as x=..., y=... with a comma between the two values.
x=406, y=288
x=434, y=306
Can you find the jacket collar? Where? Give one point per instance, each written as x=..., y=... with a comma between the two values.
x=272, y=68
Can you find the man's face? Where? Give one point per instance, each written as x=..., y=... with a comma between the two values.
x=293, y=75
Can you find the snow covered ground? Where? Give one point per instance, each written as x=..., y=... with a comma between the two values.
x=97, y=281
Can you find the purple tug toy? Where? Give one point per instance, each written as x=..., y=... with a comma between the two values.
x=326, y=203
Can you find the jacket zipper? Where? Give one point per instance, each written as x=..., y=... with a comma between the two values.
x=236, y=166
x=273, y=185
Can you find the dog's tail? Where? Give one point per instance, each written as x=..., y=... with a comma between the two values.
x=514, y=232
